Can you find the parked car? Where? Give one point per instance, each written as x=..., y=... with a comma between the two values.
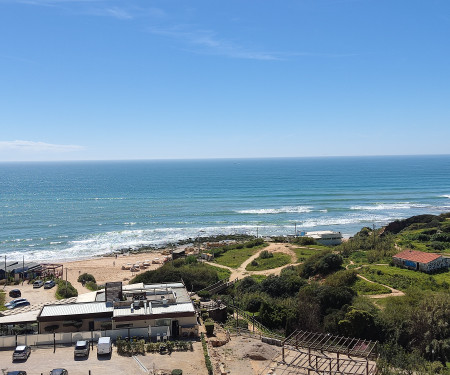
x=22, y=352
x=22, y=302
x=16, y=372
x=38, y=284
x=59, y=371
x=48, y=284
x=81, y=349
x=14, y=301
x=14, y=293
x=104, y=345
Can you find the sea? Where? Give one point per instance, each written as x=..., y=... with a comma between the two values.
x=56, y=211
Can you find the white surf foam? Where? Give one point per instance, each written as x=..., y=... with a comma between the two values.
x=390, y=206
x=445, y=196
x=281, y=210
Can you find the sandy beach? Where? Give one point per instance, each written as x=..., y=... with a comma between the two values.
x=109, y=268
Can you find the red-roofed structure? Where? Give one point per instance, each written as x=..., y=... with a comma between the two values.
x=420, y=261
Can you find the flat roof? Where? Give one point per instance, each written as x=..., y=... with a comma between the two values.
x=156, y=310
x=27, y=317
x=321, y=232
x=76, y=309
x=181, y=294
x=87, y=297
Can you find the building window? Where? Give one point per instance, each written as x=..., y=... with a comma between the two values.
x=163, y=322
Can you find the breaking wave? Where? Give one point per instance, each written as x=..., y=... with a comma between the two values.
x=390, y=206
x=281, y=210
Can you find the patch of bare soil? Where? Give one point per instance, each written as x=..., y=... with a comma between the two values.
x=242, y=355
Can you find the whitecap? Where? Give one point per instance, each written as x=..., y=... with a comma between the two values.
x=285, y=209
x=390, y=206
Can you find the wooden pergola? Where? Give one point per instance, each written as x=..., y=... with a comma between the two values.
x=47, y=269
x=325, y=342
x=314, y=353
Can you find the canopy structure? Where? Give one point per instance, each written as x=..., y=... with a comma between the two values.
x=335, y=344
x=313, y=353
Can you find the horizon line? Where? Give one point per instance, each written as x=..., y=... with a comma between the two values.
x=218, y=158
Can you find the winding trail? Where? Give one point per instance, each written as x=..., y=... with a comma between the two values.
x=394, y=292
x=241, y=272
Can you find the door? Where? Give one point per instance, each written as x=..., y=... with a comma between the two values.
x=175, y=328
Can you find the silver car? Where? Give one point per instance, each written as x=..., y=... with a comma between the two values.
x=81, y=349
x=22, y=352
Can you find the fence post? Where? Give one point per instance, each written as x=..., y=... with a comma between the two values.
x=54, y=342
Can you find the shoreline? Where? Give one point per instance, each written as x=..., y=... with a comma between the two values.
x=109, y=268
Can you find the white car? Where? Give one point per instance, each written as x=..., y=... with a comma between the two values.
x=38, y=284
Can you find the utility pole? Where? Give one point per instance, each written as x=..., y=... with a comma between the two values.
x=373, y=231
x=257, y=231
x=295, y=230
x=66, y=282
x=6, y=279
x=23, y=268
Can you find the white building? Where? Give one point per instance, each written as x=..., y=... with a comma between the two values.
x=326, y=237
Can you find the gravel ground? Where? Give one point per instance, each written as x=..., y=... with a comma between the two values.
x=42, y=360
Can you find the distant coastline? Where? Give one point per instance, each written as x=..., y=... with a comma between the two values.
x=73, y=210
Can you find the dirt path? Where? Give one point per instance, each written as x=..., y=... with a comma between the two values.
x=241, y=272
x=394, y=292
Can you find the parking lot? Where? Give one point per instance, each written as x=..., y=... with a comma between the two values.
x=42, y=360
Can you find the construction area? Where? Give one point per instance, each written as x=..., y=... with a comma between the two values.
x=237, y=351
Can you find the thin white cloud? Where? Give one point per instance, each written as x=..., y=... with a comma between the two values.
x=208, y=42
x=104, y=8
x=30, y=146
x=119, y=13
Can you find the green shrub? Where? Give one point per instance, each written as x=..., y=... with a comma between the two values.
x=85, y=277
x=209, y=326
x=205, y=353
x=65, y=290
x=91, y=286
x=51, y=328
x=204, y=294
x=205, y=316
x=177, y=371
x=265, y=254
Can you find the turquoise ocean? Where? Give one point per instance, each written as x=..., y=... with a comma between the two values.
x=68, y=210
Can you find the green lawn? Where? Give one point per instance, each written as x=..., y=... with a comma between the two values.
x=363, y=287
x=235, y=257
x=402, y=279
x=303, y=254
x=223, y=273
x=278, y=260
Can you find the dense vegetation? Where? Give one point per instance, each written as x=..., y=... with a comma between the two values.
x=320, y=295
x=194, y=274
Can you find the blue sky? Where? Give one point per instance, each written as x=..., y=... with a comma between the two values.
x=105, y=79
